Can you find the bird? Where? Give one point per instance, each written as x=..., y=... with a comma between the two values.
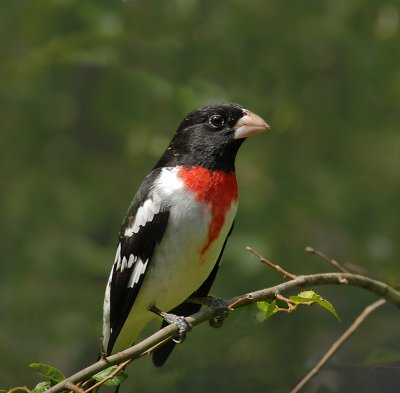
x=174, y=233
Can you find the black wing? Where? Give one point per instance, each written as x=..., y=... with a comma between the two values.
x=160, y=355
x=134, y=255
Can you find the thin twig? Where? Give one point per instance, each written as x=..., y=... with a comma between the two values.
x=20, y=389
x=284, y=299
x=271, y=264
x=233, y=305
x=338, y=343
x=119, y=368
x=290, y=305
x=332, y=261
x=154, y=347
x=71, y=386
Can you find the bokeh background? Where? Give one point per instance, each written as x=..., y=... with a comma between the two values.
x=90, y=94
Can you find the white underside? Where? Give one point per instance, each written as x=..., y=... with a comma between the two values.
x=175, y=272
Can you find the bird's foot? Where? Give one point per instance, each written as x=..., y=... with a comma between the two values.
x=217, y=305
x=181, y=323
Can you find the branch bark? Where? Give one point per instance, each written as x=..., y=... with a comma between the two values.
x=381, y=289
x=338, y=343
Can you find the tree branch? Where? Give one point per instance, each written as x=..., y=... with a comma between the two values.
x=271, y=264
x=142, y=348
x=338, y=343
x=332, y=261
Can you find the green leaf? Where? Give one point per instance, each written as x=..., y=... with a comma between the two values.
x=263, y=306
x=311, y=296
x=41, y=387
x=303, y=297
x=267, y=309
x=49, y=372
x=115, y=380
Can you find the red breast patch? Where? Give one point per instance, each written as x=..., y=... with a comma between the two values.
x=217, y=189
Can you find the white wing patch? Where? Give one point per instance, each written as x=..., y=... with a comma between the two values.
x=132, y=259
x=117, y=260
x=122, y=264
x=144, y=214
x=140, y=268
x=106, y=313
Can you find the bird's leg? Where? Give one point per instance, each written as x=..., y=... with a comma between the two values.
x=216, y=305
x=181, y=323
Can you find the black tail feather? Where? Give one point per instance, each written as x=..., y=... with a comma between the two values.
x=161, y=354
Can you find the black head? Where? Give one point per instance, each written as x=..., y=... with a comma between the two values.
x=210, y=137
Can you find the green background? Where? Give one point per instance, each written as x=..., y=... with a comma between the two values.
x=90, y=95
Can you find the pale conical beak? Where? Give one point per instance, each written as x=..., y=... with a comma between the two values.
x=249, y=124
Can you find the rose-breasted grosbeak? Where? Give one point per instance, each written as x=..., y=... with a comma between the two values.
x=175, y=231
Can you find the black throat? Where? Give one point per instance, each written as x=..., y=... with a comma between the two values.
x=215, y=157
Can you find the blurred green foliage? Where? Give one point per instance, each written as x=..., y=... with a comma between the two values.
x=90, y=94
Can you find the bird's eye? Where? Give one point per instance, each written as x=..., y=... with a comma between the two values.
x=216, y=121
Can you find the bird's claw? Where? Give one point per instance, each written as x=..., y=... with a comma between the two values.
x=182, y=325
x=180, y=322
